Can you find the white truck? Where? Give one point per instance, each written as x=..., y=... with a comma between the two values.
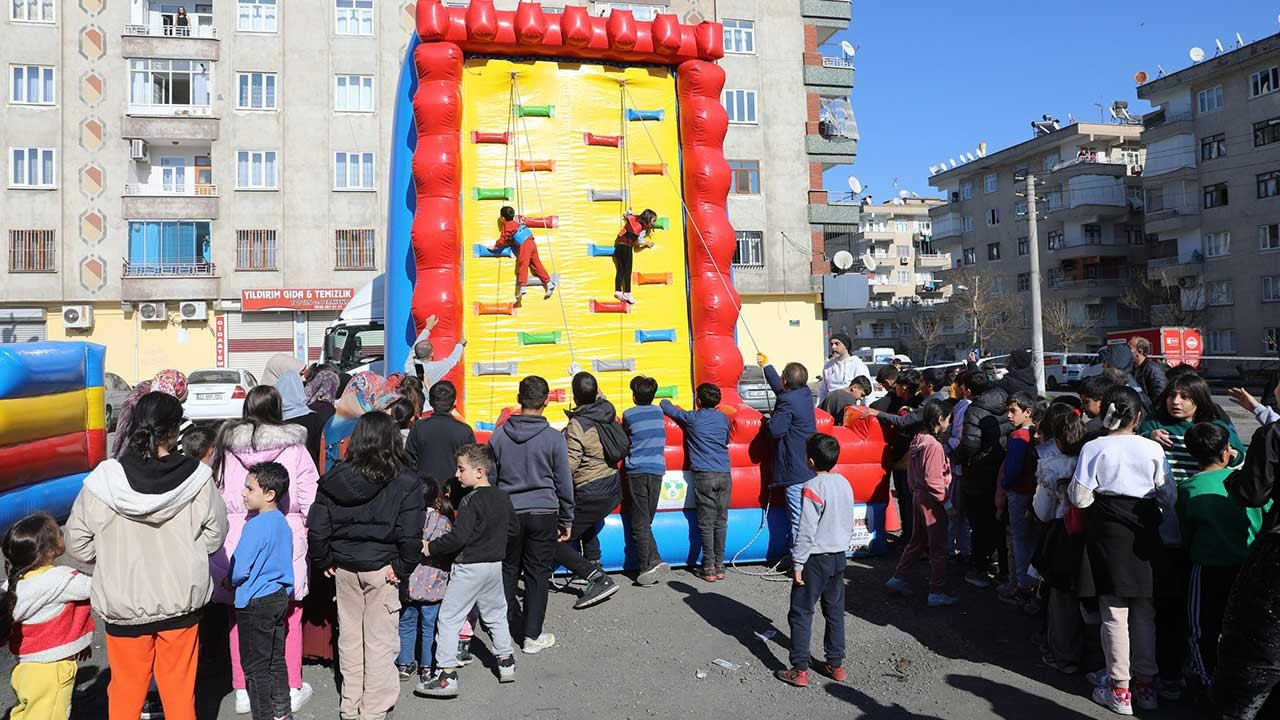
x=356, y=340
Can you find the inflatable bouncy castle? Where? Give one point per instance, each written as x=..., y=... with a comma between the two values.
x=574, y=121
x=53, y=428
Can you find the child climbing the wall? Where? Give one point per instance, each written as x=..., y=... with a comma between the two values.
x=516, y=234
x=633, y=236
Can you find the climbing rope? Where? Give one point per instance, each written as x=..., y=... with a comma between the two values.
x=497, y=286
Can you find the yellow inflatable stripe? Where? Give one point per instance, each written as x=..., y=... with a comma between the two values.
x=44, y=416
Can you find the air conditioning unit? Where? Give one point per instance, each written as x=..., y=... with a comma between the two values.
x=153, y=312
x=77, y=316
x=904, y=261
x=955, y=196
x=138, y=150
x=194, y=310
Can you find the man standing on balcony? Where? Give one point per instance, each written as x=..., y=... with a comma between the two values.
x=1148, y=372
x=841, y=367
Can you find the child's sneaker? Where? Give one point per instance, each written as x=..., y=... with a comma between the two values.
x=1170, y=690
x=1098, y=678
x=1117, y=700
x=464, y=653
x=507, y=669
x=941, y=600
x=300, y=696
x=628, y=299
x=1144, y=696
x=898, y=586
x=406, y=671
x=978, y=579
x=425, y=673
x=520, y=293
x=599, y=588
x=152, y=709
x=443, y=685
x=532, y=646
x=709, y=573
x=551, y=289
x=720, y=571
x=619, y=296
x=835, y=672
x=794, y=676
x=650, y=576
x=242, y=702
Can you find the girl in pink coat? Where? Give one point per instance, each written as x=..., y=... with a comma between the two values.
x=260, y=437
x=929, y=476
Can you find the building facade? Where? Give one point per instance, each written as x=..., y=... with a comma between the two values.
x=1211, y=184
x=1092, y=251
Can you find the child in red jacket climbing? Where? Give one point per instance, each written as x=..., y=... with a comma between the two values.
x=517, y=235
x=633, y=236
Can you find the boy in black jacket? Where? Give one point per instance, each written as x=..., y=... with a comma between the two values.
x=479, y=540
x=434, y=441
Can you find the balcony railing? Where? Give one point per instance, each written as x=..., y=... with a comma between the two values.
x=837, y=62
x=171, y=110
x=169, y=269
x=200, y=190
x=1171, y=211
x=1160, y=117
x=1082, y=241
x=201, y=27
x=1071, y=284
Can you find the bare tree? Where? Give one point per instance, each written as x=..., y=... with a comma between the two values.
x=1062, y=324
x=985, y=308
x=1166, y=301
x=928, y=326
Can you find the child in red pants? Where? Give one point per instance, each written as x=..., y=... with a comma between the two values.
x=929, y=474
x=517, y=235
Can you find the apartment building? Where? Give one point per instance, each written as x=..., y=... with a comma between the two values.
x=1089, y=180
x=1212, y=189
x=892, y=244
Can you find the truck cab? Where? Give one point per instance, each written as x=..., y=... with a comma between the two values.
x=356, y=341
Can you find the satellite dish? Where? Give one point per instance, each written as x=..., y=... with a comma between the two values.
x=855, y=185
x=1197, y=54
x=848, y=48
x=1140, y=77
x=843, y=260
x=869, y=261
x=1218, y=43
x=904, y=193
x=970, y=156
x=1239, y=40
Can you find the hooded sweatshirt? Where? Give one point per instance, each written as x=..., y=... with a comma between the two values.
x=791, y=425
x=533, y=466
x=51, y=617
x=247, y=447
x=150, y=524
x=592, y=476
x=360, y=525
x=928, y=469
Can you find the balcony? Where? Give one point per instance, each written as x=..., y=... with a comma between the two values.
x=136, y=190
x=834, y=75
x=149, y=281
x=827, y=13
x=170, y=269
x=160, y=191
x=1090, y=196
x=1087, y=246
x=1159, y=125
x=949, y=225
x=170, y=122
x=1171, y=217
x=933, y=261
x=835, y=214
x=878, y=236
x=192, y=42
x=1114, y=166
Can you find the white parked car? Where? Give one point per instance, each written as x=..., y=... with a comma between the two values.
x=217, y=394
x=116, y=390
x=1063, y=369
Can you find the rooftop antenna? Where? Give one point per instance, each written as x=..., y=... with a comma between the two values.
x=904, y=193
x=915, y=194
x=1197, y=54
x=1071, y=119
x=1218, y=43
x=1160, y=70
x=1239, y=41
x=982, y=149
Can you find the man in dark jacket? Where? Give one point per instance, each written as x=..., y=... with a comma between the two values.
x=980, y=453
x=1021, y=377
x=434, y=441
x=792, y=423
x=533, y=468
x=1148, y=372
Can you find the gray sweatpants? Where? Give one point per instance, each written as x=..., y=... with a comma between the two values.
x=472, y=585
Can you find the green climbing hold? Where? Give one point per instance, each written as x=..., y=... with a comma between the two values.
x=545, y=111
x=502, y=193
x=540, y=338
x=666, y=391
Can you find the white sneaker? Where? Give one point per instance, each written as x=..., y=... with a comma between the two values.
x=507, y=669
x=621, y=296
x=242, y=702
x=626, y=298
x=532, y=646
x=300, y=696
x=520, y=293
x=551, y=289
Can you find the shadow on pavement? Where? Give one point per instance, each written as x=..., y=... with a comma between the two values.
x=871, y=707
x=1009, y=701
x=734, y=619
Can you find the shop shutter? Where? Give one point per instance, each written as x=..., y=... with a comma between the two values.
x=252, y=338
x=20, y=325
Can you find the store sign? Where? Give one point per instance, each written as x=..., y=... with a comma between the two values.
x=295, y=299
x=220, y=340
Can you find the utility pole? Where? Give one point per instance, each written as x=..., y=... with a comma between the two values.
x=1037, y=323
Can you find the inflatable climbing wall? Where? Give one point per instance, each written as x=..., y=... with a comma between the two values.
x=571, y=146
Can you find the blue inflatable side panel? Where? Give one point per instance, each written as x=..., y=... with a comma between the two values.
x=401, y=273
x=52, y=496
x=45, y=368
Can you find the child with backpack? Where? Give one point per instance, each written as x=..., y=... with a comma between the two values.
x=420, y=597
x=515, y=234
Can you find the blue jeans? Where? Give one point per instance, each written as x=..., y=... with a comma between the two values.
x=417, y=626
x=1023, y=542
x=823, y=582
x=795, y=502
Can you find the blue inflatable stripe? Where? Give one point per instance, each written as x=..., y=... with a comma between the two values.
x=402, y=199
x=646, y=336
x=600, y=250
x=645, y=114
x=481, y=250
x=52, y=496
x=44, y=368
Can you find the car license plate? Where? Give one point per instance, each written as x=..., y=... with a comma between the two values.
x=755, y=393
x=208, y=396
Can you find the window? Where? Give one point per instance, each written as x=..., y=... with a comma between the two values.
x=1266, y=132
x=1264, y=82
x=745, y=176
x=1024, y=246
x=990, y=183
x=32, y=251
x=642, y=12
x=1218, y=292
x=970, y=256
x=169, y=247
x=1270, y=288
x=902, y=226
x=750, y=252
x=740, y=105
x=1048, y=161
x=1210, y=100
x=31, y=84
x=256, y=16
x=993, y=251
x=1216, y=195
x=1269, y=184
x=1055, y=239
x=354, y=17
x=1269, y=237
x=1271, y=341
x=256, y=170
x=1020, y=209
x=257, y=91
x=35, y=11
x=354, y=93
x=167, y=83
x=1092, y=234
x=904, y=251
x=32, y=167
x=256, y=250
x=353, y=171
x=739, y=36
x=1221, y=341
x=1024, y=282
x=905, y=277
x=993, y=216
x=967, y=223
x=354, y=250
x=1215, y=146
x=966, y=191
x=1218, y=244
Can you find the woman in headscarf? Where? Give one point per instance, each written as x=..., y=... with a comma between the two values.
x=170, y=382
x=279, y=365
x=296, y=412
x=322, y=390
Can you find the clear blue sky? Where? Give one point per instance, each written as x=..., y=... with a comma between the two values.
x=934, y=78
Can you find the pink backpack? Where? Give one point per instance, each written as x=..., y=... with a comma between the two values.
x=429, y=579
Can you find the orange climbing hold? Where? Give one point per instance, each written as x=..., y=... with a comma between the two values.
x=502, y=308
x=536, y=165
x=652, y=278
x=648, y=168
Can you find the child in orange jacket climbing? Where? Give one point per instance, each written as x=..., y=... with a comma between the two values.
x=633, y=236
x=517, y=235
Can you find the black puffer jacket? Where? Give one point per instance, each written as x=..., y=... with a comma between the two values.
x=1254, y=484
x=1151, y=377
x=986, y=430
x=360, y=525
x=1020, y=380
